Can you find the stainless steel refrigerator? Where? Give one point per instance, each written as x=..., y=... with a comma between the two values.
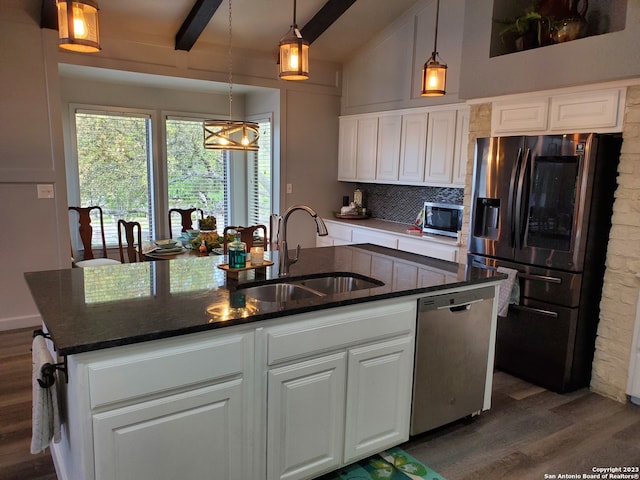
x=543, y=205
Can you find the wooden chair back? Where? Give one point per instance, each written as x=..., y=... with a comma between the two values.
x=133, y=237
x=186, y=219
x=247, y=236
x=86, y=230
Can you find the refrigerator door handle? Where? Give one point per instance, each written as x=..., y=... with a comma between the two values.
x=541, y=278
x=537, y=311
x=520, y=193
x=514, y=189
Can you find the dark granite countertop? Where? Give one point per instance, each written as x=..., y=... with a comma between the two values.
x=88, y=309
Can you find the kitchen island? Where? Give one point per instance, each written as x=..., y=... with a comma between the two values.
x=177, y=370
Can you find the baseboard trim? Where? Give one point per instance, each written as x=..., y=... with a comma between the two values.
x=14, y=323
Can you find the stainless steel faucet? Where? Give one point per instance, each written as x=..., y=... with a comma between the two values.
x=285, y=261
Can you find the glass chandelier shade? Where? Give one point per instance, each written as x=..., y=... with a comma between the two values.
x=434, y=72
x=78, y=25
x=293, y=56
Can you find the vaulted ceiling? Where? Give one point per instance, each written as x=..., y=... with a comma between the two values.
x=336, y=28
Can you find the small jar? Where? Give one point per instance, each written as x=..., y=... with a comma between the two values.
x=237, y=252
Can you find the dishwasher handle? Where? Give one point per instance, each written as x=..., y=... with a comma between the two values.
x=461, y=306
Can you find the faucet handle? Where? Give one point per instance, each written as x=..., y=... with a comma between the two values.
x=294, y=260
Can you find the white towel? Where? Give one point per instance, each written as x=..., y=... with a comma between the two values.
x=45, y=420
x=509, y=291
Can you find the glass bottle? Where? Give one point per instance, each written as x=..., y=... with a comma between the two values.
x=237, y=252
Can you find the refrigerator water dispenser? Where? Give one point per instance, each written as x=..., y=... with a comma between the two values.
x=487, y=217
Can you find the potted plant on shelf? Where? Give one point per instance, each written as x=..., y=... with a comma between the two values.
x=529, y=30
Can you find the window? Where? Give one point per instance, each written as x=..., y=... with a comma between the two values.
x=118, y=170
x=114, y=168
x=196, y=177
x=260, y=203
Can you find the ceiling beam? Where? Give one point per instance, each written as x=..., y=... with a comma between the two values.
x=329, y=13
x=49, y=15
x=194, y=24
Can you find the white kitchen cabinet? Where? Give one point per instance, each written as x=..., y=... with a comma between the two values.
x=347, y=149
x=361, y=235
x=306, y=417
x=413, y=147
x=162, y=408
x=339, y=387
x=429, y=249
x=198, y=431
x=379, y=381
x=441, y=138
x=367, y=146
x=344, y=234
x=578, y=111
x=523, y=116
x=388, y=149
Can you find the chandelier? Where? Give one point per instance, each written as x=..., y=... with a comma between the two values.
x=231, y=134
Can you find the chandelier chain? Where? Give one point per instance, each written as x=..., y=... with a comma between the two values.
x=435, y=40
x=230, y=64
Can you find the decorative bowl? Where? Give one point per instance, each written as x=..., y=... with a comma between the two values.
x=168, y=243
x=192, y=233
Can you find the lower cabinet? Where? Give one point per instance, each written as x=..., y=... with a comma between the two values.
x=306, y=417
x=288, y=398
x=198, y=432
x=338, y=389
x=177, y=408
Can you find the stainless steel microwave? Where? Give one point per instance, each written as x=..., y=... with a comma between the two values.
x=442, y=218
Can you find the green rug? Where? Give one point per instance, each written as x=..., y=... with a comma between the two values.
x=393, y=464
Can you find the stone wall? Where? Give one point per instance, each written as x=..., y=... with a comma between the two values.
x=479, y=126
x=620, y=291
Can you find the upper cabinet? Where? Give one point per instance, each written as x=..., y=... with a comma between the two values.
x=599, y=111
x=425, y=146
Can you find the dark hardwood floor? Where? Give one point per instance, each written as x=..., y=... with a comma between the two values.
x=529, y=432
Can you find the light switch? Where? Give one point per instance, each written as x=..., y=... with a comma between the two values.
x=289, y=188
x=45, y=190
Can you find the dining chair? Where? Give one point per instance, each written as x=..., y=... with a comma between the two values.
x=247, y=235
x=86, y=235
x=133, y=242
x=185, y=218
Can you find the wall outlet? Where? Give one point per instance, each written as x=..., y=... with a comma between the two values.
x=45, y=190
x=289, y=188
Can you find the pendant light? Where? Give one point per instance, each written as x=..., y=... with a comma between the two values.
x=434, y=73
x=293, y=58
x=231, y=134
x=78, y=25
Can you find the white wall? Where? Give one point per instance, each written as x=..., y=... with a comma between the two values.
x=386, y=73
x=33, y=234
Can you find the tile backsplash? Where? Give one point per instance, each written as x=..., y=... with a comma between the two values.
x=401, y=203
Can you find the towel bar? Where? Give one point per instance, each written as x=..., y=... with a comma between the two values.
x=48, y=369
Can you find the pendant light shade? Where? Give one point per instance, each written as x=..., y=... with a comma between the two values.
x=236, y=135
x=293, y=58
x=78, y=25
x=434, y=77
x=434, y=72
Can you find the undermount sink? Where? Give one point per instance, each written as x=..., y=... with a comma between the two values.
x=280, y=292
x=339, y=284
x=310, y=287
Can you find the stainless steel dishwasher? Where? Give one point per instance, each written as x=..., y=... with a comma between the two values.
x=452, y=347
